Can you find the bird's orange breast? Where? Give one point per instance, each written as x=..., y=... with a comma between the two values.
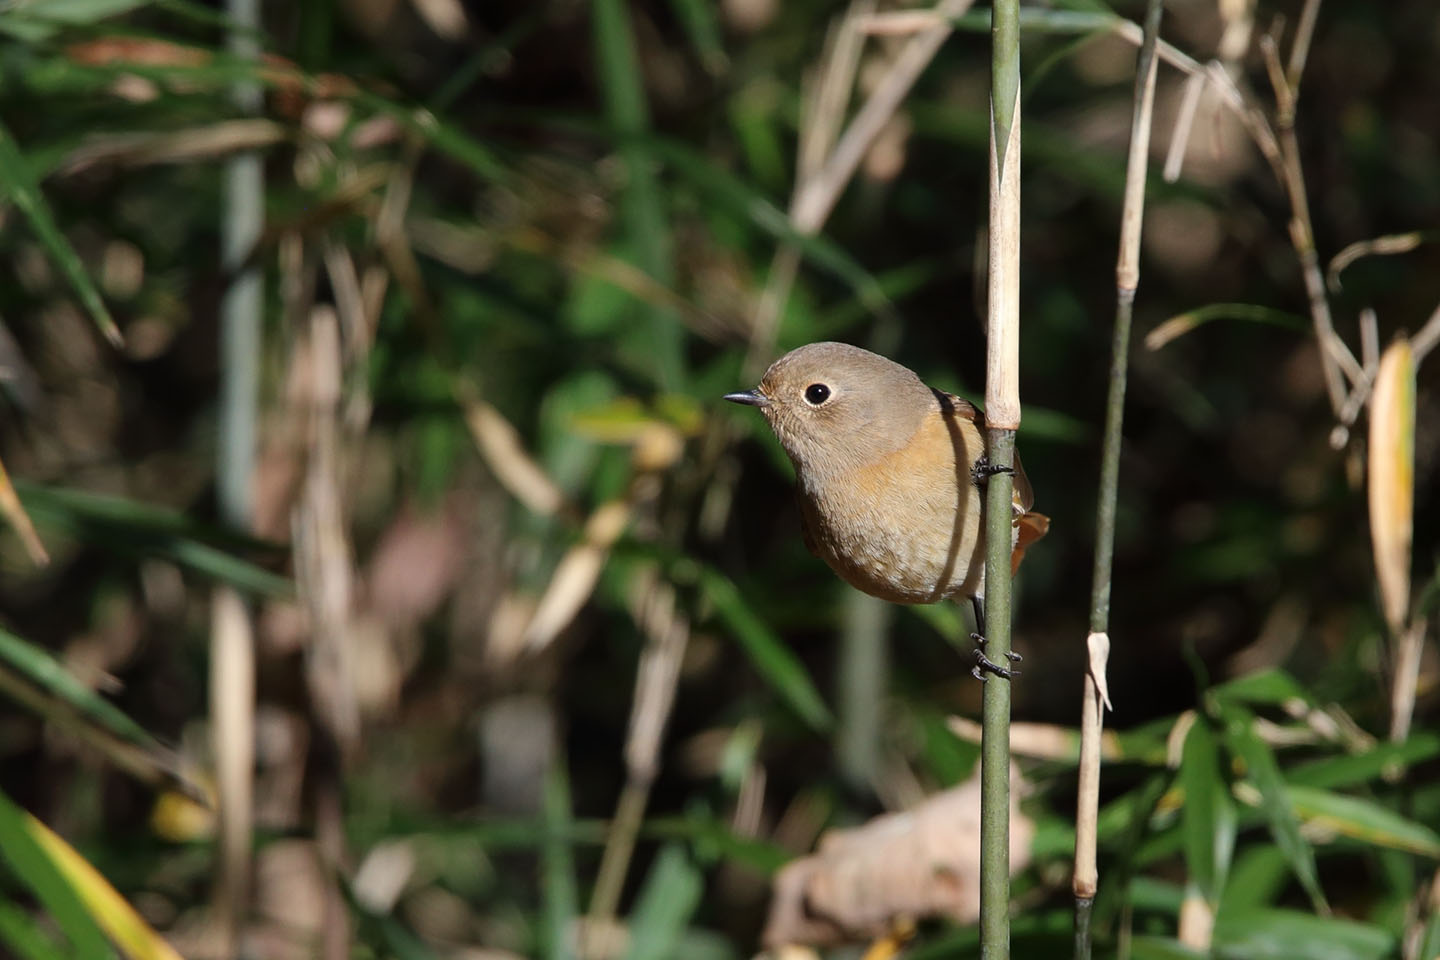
x=905, y=527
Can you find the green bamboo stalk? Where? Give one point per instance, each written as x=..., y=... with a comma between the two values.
x=1002, y=410
x=1127, y=280
x=995, y=711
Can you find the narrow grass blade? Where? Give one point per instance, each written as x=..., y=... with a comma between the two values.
x=140, y=529
x=702, y=29
x=1262, y=770
x=1182, y=323
x=106, y=906
x=24, y=936
x=646, y=224
x=39, y=872
x=780, y=668
x=44, y=671
x=19, y=186
x=667, y=901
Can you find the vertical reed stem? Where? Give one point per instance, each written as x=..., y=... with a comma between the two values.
x=1127, y=280
x=1002, y=406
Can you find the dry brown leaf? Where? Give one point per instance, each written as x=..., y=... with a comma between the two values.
x=900, y=866
x=576, y=574
x=1391, y=474
x=503, y=450
x=178, y=146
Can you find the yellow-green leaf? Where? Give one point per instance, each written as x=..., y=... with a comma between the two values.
x=1391, y=474
x=107, y=907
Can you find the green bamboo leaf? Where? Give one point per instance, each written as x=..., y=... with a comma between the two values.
x=18, y=185
x=1350, y=769
x=667, y=900
x=1259, y=877
x=24, y=936
x=42, y=876
x=1144, y=947
x=1363, y=820
x=1263, y=933
x=1208, y=817
x=781, y=668
x=111, y=912
x=557, y=866
x=1430, y=938
x=37, y=22
x=1264, y=773
x=1272, y=686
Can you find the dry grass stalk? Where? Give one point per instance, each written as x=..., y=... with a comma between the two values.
x=1096, y=696
x=232, y=717
x=324, y=569
x=1428, y=337
x=1378, y=246
x=667, y=632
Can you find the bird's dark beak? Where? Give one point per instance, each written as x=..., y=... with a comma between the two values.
x=751, y=398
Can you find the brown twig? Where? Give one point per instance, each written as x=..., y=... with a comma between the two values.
x=1335, y=357
x=1428, y=337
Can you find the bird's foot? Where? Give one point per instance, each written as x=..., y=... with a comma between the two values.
x=983, y=470
x=1010, y=654
x=984, y=665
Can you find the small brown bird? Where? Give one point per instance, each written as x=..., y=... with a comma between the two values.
x=889, y=475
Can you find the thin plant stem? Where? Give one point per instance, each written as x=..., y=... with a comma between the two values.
x=1127, y=280
x=232, y=653
x=1002, y=405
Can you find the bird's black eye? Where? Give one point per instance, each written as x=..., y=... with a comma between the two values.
x=816, y=394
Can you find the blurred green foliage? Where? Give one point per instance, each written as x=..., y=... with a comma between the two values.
x=565, y=213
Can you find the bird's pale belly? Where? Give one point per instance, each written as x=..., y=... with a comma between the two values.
x=935, y=558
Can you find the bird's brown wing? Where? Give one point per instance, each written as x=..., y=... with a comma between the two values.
x=1024, y=496
x=1029, y=525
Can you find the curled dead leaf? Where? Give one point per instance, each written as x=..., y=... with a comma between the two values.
x=897, y=867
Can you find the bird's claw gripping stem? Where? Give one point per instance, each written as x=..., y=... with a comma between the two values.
x=984, y=665
x=983, y=470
